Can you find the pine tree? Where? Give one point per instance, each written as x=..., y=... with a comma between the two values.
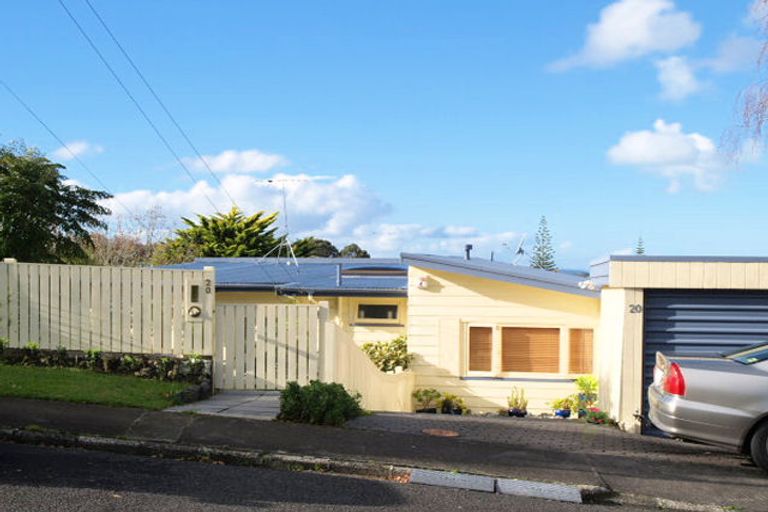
x=640, y=247
x=543, y=256
x=228, y=235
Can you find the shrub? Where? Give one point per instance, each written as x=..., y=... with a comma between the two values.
x=425, y=397
x=388, y=355
x=318, y=403
x=129, y=363
x=517, y=399
x=4, y=343
x=92, y=359
x=598, y=417
x=450, y=402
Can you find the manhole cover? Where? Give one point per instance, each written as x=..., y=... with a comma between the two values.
x=439, y=432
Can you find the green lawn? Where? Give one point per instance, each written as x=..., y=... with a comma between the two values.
x=86, y=386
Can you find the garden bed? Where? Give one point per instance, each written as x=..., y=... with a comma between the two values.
x=86, y=386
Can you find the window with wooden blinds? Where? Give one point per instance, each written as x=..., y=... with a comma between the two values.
x=480, y=349
x=525, y=349
x=581, y=351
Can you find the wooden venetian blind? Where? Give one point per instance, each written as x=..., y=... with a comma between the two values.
x=581, y=351
x=480, y=349
x=525, y=349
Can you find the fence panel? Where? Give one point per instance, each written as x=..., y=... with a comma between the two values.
x=262, y=345
x=107, y=308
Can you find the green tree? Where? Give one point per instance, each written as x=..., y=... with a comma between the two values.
x=229, y=235
x=311, y=247
x=543, y=254
x=42, y=217
x=640, y=247
x=354, y=251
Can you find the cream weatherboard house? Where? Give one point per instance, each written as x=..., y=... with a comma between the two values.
x=478, y=328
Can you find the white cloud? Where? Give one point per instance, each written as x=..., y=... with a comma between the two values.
x=735, y=53
x=77, y=148
x=342, y=210
x=393, y=238
x=668, y=151
x=677, y=78
x=233, y=161
x=566, y=245
x=328, y=207
x=629, y=29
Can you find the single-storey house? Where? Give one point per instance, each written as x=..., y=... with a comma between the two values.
x=478, y=328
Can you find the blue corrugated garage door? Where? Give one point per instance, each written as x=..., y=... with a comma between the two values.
x=688, y=322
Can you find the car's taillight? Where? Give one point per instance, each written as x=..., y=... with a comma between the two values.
x=674, y=381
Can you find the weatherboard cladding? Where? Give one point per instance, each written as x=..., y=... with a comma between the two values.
x=499, y=271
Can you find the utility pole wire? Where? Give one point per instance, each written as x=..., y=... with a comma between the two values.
x=133, y=100
x=159, y=101
x=63, y=144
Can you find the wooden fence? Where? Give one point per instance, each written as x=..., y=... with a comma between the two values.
x=161, y=311
x=265, y=346
x=112, y=309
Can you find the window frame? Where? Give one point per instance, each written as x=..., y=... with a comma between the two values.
x=376, y=321
x=563, y=356
x=465, y=354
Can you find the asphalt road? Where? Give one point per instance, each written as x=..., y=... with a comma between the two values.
x=42, y=478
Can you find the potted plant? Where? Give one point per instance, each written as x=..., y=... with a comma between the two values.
x=425, y=398
x=587, y=396
x=518, y=404
x=563, y=406
x=452, y=404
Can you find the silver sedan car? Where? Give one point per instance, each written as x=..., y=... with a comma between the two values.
x=720, y=400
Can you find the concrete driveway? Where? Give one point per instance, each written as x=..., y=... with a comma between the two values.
x=255, y=405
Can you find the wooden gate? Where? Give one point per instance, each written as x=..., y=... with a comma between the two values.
x=265, y=346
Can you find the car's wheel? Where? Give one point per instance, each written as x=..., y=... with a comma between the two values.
x=758, y=446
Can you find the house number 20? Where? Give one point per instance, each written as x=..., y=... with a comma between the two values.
x=635, y=308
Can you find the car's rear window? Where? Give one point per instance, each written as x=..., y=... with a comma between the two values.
x=750, y=355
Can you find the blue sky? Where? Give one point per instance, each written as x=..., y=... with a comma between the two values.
x=414, y=126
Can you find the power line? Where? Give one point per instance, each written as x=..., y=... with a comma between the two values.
x=63, y=144
x=133, y=100
x=159, y=101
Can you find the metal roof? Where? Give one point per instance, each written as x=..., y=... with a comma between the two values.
x=499, y=271
x=315, y=276
x=713, y=259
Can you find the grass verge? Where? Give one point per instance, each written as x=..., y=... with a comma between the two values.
x=86, y=386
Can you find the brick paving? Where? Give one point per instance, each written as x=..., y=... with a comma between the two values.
x=550, y=434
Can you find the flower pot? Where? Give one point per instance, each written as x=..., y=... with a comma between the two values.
x=457, y=411
x=517, y=413
x=563, y=413
x=428, y=410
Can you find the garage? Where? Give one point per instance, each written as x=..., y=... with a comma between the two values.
x=691, y=322
x=678, y=305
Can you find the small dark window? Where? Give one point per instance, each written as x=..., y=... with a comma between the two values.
x=194, y=294
x=377, y=312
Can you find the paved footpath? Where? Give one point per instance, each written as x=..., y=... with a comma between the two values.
x=542, y=450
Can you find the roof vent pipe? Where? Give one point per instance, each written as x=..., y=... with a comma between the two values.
x=468, y=251
x=338, y=275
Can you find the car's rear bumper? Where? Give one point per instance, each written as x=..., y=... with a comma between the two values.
x=685, y=419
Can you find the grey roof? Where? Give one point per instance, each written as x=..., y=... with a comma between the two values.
x=499, y=271
x=718, y=259
x=317, y=276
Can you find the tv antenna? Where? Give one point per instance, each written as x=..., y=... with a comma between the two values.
x=519, y=252
x=284, y=245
